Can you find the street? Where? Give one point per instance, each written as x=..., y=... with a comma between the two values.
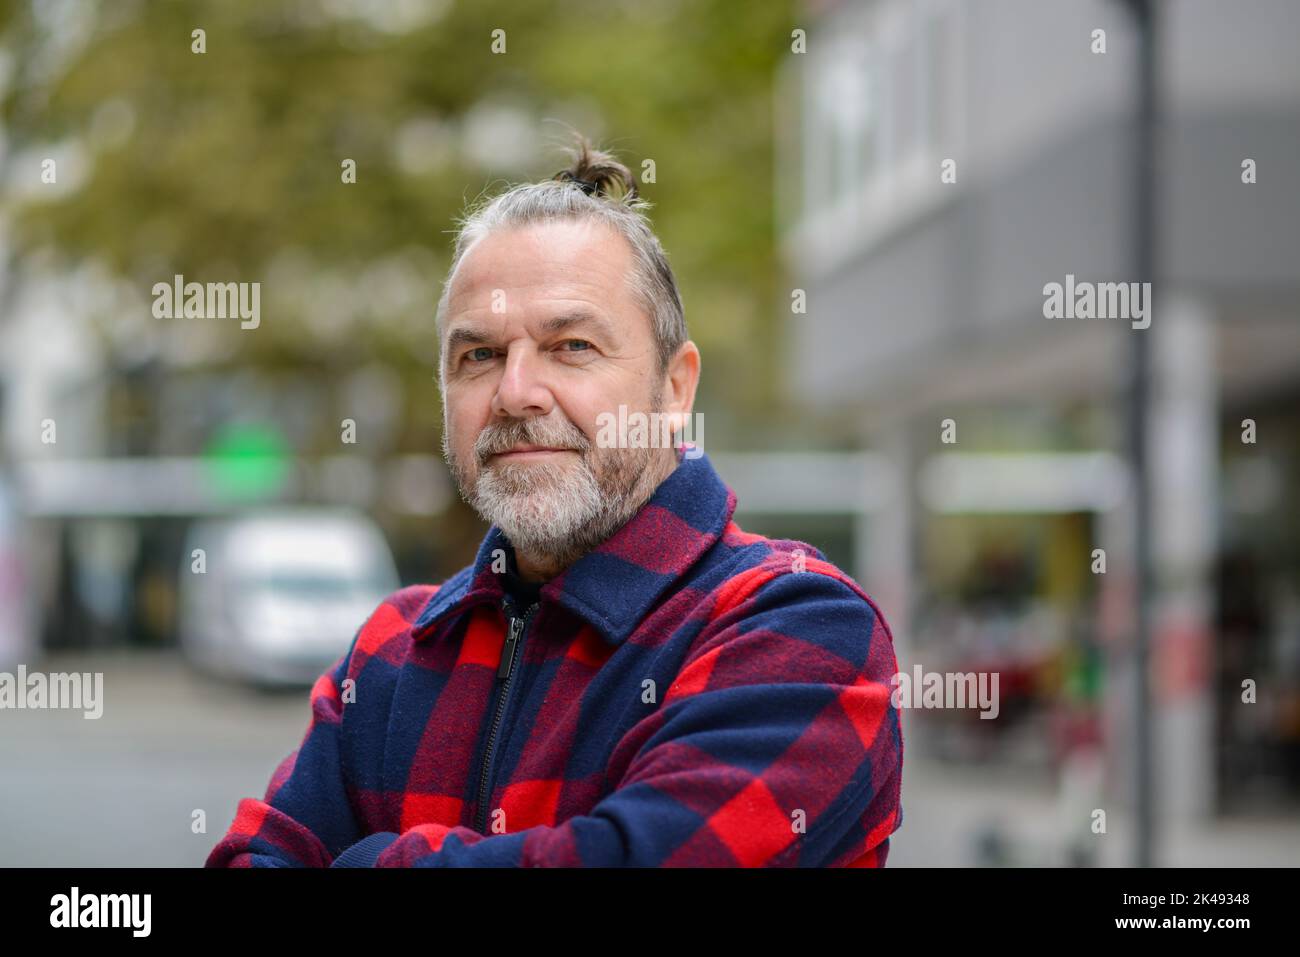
x=121, y=790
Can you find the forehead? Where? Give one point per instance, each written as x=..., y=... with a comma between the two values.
x=584, y=260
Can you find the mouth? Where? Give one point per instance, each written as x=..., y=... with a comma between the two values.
x=527, y=453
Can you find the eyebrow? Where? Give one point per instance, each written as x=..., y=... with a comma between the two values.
x=576, y=317
x=465, y=335
x=472, y=335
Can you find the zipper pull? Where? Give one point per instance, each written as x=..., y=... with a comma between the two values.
x=512, y=640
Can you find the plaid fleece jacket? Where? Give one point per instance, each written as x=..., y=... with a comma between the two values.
x=686, y=694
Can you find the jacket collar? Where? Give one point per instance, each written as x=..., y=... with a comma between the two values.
x=616, y=584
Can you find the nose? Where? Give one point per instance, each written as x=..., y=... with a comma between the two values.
x=522, y=391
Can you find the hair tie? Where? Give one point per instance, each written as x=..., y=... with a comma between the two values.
x=587, y=186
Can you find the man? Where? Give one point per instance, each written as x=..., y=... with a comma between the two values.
x=623, y=676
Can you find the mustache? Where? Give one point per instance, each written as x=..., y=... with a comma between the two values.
x=502, y=438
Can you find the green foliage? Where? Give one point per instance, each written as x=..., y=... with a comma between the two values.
x=227, y=163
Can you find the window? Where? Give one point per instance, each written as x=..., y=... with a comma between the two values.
x=879, y=96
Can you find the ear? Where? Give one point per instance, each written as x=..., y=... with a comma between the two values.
x=680, y=381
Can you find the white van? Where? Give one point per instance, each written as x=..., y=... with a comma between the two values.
x=275, y=597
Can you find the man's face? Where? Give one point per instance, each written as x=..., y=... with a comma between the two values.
x=541, y=336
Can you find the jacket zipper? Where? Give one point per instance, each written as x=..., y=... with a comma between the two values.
x=505, y=673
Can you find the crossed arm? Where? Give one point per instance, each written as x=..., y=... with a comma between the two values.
x=776, y=745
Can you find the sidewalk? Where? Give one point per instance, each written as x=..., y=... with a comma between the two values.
x=966, y=817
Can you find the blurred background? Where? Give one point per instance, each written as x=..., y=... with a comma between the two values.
x=184, y=507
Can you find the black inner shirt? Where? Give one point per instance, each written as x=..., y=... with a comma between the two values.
x=524, y=592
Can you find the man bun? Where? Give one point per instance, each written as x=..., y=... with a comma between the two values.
x=598, y=173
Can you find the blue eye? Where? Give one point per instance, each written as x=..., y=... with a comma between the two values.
x=581, y=342
x=475, y=356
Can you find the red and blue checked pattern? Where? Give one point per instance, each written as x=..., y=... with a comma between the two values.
x=687, y=694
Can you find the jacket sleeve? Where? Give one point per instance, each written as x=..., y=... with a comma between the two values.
x=777, y=745
x=305, y=817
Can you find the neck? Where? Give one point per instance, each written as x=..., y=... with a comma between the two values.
x=538, y=568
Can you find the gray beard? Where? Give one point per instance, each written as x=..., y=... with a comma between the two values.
x=559, y=516
x=556, y=513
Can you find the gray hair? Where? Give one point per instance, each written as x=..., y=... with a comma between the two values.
x=595, y=187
